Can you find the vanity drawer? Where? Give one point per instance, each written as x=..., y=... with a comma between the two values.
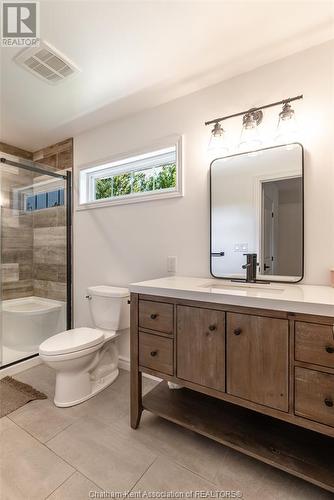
x=314, y=395
x=156, y=352
x=158, y=316
x=314, y=343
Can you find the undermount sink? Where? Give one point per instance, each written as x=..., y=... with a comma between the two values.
x=229, y=285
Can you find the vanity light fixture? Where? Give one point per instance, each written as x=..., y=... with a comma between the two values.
x=250, y=137
x=287, y=126
x=218, y=142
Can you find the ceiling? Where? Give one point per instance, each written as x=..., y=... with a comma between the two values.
x=135, y=55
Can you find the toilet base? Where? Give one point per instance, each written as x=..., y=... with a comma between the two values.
x=96, y=387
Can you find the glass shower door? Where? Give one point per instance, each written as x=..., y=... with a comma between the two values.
x=34, y=258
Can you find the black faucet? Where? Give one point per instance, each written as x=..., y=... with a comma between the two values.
x=251, y=267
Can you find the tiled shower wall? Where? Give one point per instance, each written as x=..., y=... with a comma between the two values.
x=49, y=255
x=58, y=156
x=50, y=230
x=34, y=243
x=16, y=231
x=16, y=237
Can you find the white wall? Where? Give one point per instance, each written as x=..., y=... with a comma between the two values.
x=122, y=244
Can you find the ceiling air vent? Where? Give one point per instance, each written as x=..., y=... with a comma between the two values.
x=46, y=63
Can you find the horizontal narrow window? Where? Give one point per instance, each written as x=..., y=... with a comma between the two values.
x=44, y=200
x=137, y=178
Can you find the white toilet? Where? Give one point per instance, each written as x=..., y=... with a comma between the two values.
x=86, y=359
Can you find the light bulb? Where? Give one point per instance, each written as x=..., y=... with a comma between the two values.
x=218, y=141
x=250, y=138
x=287, y=125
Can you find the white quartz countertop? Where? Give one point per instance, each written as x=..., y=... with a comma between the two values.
x=309, y=299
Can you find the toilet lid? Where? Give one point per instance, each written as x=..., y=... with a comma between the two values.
x=71, y=341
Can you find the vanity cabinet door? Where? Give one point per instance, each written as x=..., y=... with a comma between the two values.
x=201, y=346
x=257, y=359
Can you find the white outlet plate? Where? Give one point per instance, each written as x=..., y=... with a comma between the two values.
x=171, y=264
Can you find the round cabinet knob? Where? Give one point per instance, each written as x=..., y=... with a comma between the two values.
x=329, y=402
x=329, y=349
x=212, y=328
x=237, y=331
x=154, y=316
x=153, y=353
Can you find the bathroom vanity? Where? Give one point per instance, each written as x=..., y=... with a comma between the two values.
x=255, y=362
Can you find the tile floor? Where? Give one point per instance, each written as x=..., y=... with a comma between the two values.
x=77, y=453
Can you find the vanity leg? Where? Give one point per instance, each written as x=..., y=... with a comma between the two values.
x=136, y=377
x=135, y=404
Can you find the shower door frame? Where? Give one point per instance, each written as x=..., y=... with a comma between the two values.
x=68, y=184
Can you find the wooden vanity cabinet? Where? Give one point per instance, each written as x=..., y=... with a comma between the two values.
x=200, y=346
x=258, y=359
x=259, y=381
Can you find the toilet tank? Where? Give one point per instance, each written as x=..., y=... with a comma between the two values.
x=109, y=307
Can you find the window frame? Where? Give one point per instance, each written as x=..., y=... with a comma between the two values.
x=87, y=182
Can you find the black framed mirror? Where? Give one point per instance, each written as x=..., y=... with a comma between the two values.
x=257, y=207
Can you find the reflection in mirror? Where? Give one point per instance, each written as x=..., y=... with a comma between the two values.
x=257, y=207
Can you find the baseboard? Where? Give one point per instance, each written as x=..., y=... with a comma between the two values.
x=20, y=366
x=124, y=363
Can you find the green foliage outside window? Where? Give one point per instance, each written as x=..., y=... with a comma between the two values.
x=103, y=188
x=136, y=182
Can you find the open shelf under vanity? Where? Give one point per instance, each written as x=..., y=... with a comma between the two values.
x=299, y=451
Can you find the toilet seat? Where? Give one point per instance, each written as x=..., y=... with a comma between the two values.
x=71, y=341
